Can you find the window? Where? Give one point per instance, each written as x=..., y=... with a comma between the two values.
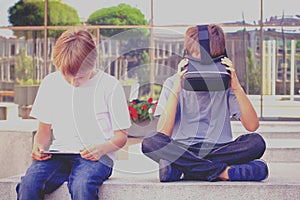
x=12, y=49
x=12, y=73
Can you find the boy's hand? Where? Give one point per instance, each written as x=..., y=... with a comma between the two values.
x=181, y=70
x=38, y=153
x=93, y=153
x=235, y=84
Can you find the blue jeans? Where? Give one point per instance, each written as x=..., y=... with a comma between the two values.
x=204, y=161
x=84, y=177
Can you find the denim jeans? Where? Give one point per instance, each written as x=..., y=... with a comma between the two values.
x=204, y=161
x=84, y=177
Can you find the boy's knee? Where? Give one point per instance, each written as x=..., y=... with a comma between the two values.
x=28, y=183
x=154, y=142
x=259, y=142
x=147, y=145
x=82, y=188
x=29, y=188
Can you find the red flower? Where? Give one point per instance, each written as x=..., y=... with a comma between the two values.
x=144, y=107
x=150, y=100
x=134, y=111
x=135, y=116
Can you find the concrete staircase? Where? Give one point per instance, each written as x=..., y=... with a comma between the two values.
x=136, y=177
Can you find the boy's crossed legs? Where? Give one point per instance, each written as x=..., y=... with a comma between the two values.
x=235, y=161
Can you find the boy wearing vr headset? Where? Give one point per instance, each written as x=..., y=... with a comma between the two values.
x=194, y=138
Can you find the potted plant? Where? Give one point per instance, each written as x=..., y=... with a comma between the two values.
x=141, y=114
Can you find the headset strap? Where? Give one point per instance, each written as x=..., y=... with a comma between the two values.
x=204, y=43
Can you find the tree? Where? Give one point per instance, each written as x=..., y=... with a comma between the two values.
x=26, y=14
x=31, y=13
x=24, y=68
x=123, y=14
x=61, y=14
x=253, y=73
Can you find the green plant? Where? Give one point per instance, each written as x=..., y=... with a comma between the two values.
x=123, y=14
x=253, y=73
x=31, y=13
x=29, y=82
x=24, y=71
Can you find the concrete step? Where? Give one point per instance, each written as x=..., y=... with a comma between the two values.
x=271, y=129
x=274, y=134
x=282, y=184
x=282, y=150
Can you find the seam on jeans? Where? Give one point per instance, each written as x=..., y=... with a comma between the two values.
x=216, y=174
x=50, y=176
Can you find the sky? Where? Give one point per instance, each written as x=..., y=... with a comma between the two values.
x=183, y=12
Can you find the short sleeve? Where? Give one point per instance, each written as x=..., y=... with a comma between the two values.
x=234, y=107
x=163, y=97
x=118, y=108
x=41, y=109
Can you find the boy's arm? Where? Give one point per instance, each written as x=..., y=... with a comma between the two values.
x=41, y=142
x=95, y=152
x=166, y=120
x=249, y=117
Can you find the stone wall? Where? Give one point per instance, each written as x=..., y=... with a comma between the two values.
x=15, y=156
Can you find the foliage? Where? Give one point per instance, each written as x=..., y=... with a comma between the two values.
x=123, y=14
x=24, y=67
x=31, y=13
x=297, y=44
x=61, y=14
x=134, y=40
x=128, y=81
x=25, y=13
x=141, y=110
x=29, y=82
x=253, y=73
x=143, y=66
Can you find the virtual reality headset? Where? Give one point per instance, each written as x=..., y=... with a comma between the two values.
x=207, y=73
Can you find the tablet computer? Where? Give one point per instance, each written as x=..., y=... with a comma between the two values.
x=61, y=152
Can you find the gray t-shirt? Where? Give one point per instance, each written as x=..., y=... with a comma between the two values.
x=201, y=116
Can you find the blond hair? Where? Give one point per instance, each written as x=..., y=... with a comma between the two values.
x=73, y=51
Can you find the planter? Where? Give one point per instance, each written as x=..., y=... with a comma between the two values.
x=142, y=129
x=24, y=95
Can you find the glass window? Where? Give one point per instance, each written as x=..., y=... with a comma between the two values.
x=12, y=73
x=12, y=50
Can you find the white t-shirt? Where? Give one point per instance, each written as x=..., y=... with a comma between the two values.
x=81, y=116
